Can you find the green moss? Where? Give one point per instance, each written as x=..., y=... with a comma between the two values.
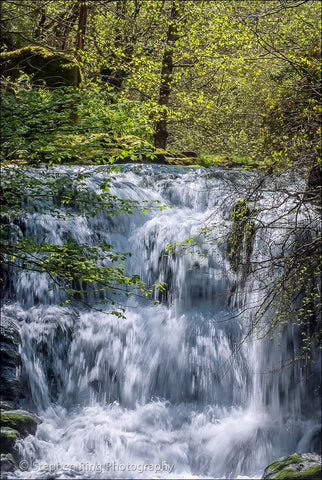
x=314, y=470
x=240, y=239
x=279, y=464
x=306, y=474
x=296, y=458
x=240, y=210
x=53, y=69
x=279, y=469
x=286, y=473
x=24, y=52
x=24, y=424
x=7, y=457
x=160, y=151
x=7, y=432
x=8, y=438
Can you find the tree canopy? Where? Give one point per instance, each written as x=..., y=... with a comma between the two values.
x=216, y=77
x=208, y=82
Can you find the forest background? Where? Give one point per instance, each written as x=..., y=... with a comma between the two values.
x=208, y=83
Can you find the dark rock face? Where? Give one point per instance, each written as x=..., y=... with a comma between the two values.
x=7, y=463
x=44, y=66
x=11, y=386
x=189, y=154
x=313, y=191
x=304, y=466
x=8, y=437
x=316, y=441
x=315, y=177
x=7, y=405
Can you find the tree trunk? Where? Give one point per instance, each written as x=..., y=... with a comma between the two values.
x=82, y=21
x=161, y=132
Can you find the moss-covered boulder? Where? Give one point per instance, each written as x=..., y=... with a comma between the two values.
x=15, y=424
x=8, y=438
x=53, y=69
x=21, y=421
x=304, y=466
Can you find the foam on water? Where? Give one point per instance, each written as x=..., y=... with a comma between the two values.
x=173, y=390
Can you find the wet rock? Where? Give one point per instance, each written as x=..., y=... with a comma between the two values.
x=7, y=406
x=9, y=332
x=7, y=463
x=9, y=356
x=15, y=424
x=304, y=466
x=23, y=422
x=8, y=437
x=12, y=388
x=316, y=441
x=10, y=341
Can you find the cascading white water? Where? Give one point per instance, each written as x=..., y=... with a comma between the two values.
x=173, y=390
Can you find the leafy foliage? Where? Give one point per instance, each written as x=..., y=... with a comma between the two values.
x=77, y=268
x=233, y=63
x=69, y=125
x=241, y=85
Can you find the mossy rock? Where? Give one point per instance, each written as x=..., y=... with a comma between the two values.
x=240, y=210
x=165, y=157
x=240, y=239
x=53, y=69
x=8, y=438
x=304, y=466
x=7, y=463
x=20, y=421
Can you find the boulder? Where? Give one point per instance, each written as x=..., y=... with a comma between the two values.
x=23, y=422
x=7, y=405
x=9, y=332
x=304, y=466
x=7, y=463
x=8, y=438
x=52, y=69
x=15, y=424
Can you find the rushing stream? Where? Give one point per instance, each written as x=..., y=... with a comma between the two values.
x=174, y=390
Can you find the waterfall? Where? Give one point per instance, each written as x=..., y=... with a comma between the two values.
x=173, y=390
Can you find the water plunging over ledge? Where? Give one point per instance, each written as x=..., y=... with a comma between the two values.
x=173, y=390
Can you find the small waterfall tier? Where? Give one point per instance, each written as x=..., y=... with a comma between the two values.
x=177, y=386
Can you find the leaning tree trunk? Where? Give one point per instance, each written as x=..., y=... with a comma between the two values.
x=161, y=132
